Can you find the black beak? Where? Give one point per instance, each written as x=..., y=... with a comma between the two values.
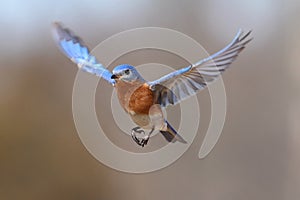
x=114, y=76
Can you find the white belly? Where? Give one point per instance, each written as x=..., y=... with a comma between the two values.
x=154, y=119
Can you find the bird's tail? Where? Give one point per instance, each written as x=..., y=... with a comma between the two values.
x=171, y=135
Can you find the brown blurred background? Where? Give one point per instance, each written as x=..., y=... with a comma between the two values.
x=257, y=156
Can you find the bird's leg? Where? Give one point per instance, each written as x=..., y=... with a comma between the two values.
x=145, y=140
x=133, y=134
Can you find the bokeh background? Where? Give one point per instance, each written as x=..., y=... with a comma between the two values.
x=257, y=156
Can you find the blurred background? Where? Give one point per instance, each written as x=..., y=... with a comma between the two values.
x=257, y=156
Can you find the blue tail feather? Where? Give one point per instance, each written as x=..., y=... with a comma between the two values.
x=171, y=134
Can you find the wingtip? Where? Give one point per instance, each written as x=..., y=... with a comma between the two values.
x=57, y=28
x=60, y=32
x=240, y=31
x=56, y=23
x=243, y=36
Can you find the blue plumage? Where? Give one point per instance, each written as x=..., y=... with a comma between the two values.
x=170, y=89
x=73, y=47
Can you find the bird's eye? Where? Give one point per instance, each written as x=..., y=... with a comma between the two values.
x=127, y=71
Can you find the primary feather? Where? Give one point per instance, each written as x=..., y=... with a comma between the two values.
x=73, y=47
x=181, y=84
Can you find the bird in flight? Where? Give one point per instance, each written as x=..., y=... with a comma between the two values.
x=144, y=100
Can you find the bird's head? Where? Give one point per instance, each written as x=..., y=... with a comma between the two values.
x=126, y=73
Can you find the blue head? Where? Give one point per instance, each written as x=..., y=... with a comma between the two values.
x=126, y=73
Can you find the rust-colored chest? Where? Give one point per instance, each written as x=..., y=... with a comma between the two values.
x=135, y=98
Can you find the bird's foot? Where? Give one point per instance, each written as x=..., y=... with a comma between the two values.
x=142, y=141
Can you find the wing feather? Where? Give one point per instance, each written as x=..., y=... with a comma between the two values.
x=73, y=47
x=185, y=82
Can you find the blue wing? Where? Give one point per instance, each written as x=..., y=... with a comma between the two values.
x=181, y=84
x=73, y=47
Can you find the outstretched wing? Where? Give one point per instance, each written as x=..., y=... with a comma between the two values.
x=181, y=84
x=73, y=47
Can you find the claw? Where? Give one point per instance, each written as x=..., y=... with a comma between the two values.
x=144, y=141
x=134, y=137
x=140, y=141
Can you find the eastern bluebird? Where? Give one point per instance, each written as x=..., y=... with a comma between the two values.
x=144, y=100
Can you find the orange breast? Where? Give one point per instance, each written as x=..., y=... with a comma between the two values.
x=141, y=100
x=135, y=97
